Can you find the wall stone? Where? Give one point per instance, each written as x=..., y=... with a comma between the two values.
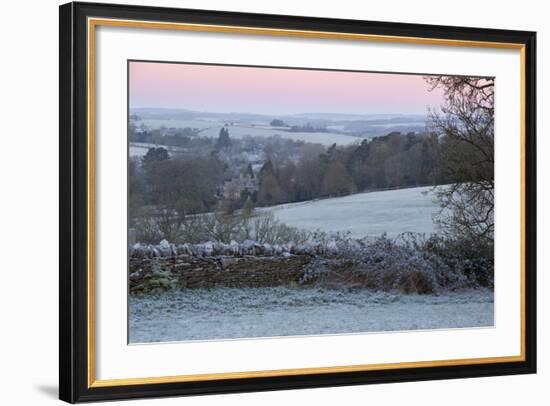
x=151, y=275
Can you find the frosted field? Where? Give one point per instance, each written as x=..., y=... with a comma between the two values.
x=365, y=214
x=212, y=129
x=224, y=313
x=140, y=149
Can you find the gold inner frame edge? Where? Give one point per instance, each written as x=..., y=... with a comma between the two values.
x=92, y=23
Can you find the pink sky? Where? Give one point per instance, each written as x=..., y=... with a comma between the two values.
x=276, y=90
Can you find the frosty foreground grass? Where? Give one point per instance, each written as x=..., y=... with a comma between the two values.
x=230, y=313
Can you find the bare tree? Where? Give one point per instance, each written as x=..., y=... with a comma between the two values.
x=465, y=126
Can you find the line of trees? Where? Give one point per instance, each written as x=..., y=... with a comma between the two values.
x=392, y=161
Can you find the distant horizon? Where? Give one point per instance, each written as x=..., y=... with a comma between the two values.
x=226, y=89
x=328, y=113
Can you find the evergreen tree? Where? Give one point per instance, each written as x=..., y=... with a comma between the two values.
x=154, y=155
x=267, y=169
x=223, y=139
x=270, y=191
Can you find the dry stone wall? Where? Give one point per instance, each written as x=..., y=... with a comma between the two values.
x=154, y=269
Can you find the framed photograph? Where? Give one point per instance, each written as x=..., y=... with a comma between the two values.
x=256, y=202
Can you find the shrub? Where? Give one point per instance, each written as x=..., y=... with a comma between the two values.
x=409, y=264
x=219, y=226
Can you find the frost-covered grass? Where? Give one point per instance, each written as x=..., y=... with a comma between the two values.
x=140, y=149
x=212, y=129
x=224, y=313
x=365, y=214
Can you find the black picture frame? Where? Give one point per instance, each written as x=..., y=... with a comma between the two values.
x=74, y=200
